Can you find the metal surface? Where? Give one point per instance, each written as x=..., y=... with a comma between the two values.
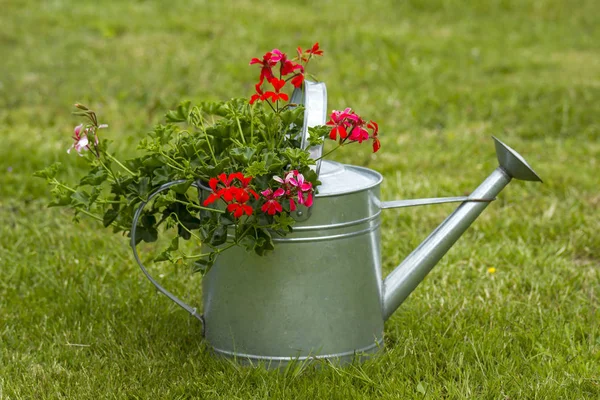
x=274, y=362
x=315, y=103
x=192, y=310
x=317, y=295
x=407, y=276
x=514, y=164
x=425, y=202
x=320, y=293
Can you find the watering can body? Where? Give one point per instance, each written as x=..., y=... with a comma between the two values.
x=320, y=293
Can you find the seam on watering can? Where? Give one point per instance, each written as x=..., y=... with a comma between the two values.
x=330, y=237
x=505, y=172
x=334, y=226
x=228, y=353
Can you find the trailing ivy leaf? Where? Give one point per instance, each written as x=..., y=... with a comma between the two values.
x=152, y=161
x=257, y=168
x=248, y=242
x=147, y=231
x=180, y=114
x=214, y=170
x=219, y=235
x=95, y=177
x=48, y=172
x=264, y=242
x=141, y=188
x=285, y=221
x=121, y=185
x=61, y=197
x=298, y=156
x=292, y=116
x=165, y=199
x=81, y=198
x=242, y=154
x=317, y=134
x=145, y=234
x=272, y=162
x=214, y=108
x=204, y=265
x=109, y=216
x=166, y=254
x=163, y=133
x=187, y=222
x=161, y=175
x=181, y=188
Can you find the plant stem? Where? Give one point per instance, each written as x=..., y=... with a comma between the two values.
x=329, y=152
x=171, y=159
x=57, y=183
x=184, y=227
x=187, y=203
x=119, y=163
x=212, y=153
x=240, y=128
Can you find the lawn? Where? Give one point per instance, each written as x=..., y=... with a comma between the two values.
x=511, y=312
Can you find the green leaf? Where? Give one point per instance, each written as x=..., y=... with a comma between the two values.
x=109, y=216
x=317, y=134
x=272, y=162
x=48, y=172
x=257, y=168
x=204, y=265
x=219, y=235
x=81, y=198
x=284, y=221
x=161, y=175
x=147, y=235
x=242, y=154
x=141, y=188
x=180, y=114
x=264, y=242
x=61, y=197
x=163, y=133
x=95, y=177
x=166, y=254
x=298, y=156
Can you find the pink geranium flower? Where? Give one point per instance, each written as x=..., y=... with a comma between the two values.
x=81, y=140
x=272, y=205
x=359, y=134
x=296, y=189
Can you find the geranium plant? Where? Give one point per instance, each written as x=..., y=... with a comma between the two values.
x=245, y=154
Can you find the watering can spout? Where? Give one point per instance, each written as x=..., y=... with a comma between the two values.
x=407, y=276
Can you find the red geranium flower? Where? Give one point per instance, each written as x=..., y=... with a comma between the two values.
x=315, y=51
x=270, y=59
x=239, y=209
x=376, y=144
x=276, y=95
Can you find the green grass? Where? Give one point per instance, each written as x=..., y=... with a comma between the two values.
x=79, y=321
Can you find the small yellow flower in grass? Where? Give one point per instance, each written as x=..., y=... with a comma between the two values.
x=491, y=270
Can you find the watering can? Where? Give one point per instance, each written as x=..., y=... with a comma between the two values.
x=321, y=294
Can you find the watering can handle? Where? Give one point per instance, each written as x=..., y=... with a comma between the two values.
x=136, y=216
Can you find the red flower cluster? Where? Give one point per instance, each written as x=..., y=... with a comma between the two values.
x=286, y=67
x=234, y=191
x=347, y=125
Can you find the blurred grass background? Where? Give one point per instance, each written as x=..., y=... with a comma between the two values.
x=78, y=320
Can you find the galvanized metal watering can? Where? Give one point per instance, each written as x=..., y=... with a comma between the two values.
x=320, y=293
